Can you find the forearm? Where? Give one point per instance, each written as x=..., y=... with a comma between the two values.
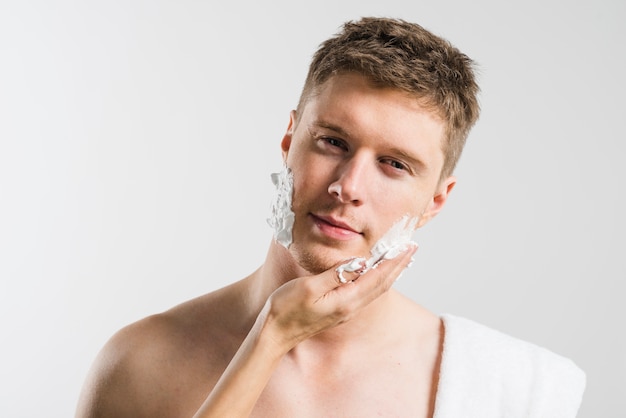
x=243, y=381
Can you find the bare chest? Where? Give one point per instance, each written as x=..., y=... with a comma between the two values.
x=375, y=389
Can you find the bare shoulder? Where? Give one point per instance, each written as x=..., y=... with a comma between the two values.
x=165, y=364
x=122, y=372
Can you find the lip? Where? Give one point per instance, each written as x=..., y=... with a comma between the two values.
x=334, y=228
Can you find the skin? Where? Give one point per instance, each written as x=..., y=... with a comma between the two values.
x=290, y=339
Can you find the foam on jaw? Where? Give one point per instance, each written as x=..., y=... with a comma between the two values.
x=393, y=243
x=282, y=217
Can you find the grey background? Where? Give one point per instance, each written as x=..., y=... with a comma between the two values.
x=137, y=138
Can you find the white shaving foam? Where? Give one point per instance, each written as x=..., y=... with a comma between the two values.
x=282, y=217
x=395, y=241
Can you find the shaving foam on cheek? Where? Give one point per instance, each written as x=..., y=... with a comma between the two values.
x=395, y=241
x=282, y=217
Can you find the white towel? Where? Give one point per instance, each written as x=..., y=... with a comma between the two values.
x=487, y=374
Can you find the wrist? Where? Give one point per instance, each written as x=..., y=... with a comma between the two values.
x=269, y=336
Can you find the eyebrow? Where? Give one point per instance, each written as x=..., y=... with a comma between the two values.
x=411, y=159
x=332, y=127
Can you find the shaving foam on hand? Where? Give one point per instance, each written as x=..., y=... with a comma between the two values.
x=395, y=241
x=282, y=217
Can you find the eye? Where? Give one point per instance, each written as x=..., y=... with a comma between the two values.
x=395, y=164
x=334, y=142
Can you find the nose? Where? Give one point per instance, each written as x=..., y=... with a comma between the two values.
x=349, y=186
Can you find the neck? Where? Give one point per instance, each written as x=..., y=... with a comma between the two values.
x=279, y=268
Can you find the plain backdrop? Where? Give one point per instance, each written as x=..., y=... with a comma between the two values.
x=137, y=139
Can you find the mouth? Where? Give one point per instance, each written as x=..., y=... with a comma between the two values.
x=334, y=227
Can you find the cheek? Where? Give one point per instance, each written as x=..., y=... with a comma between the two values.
x=400, y=198
x=389, y=208
x=311, y=178
x=305, y=190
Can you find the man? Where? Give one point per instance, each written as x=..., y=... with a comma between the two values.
x=315, y=332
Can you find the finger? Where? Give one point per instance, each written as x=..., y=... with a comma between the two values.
x=376, y=281
x=338, y=275
x=355, y=266
x=350, y=270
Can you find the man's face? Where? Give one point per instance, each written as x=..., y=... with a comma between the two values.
x=361, y=157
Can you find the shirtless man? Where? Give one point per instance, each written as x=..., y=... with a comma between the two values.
x=380, y=125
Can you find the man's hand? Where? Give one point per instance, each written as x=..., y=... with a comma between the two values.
x=308, y=305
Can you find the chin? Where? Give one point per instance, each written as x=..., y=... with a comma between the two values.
x=317, y=260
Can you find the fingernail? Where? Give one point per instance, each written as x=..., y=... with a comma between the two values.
x=410, y=262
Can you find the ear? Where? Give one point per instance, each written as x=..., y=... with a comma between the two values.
x=438, y=201
x=285, y=144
